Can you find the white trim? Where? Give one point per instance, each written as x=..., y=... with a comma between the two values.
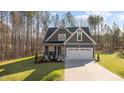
x=53, y=34
x=80, y=44
x=59, y=35
x=71, y=36
x=56, y=31
x=88, y=36
x=85, y=53
x=71, y=44
x=83, y=32
x=67, y=29
x=52, y=44
x=51, y=48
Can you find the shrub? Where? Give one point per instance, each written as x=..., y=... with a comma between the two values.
x=120, y=53
x=98, y=58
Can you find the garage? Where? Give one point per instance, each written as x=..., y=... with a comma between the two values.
x=79, y=53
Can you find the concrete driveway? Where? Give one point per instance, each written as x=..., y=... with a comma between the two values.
x=76, y=70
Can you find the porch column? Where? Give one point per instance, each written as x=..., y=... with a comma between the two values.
x=56, y=51
x=60, y=53
x=58, y=58
x=55, y=48
x=60, y=50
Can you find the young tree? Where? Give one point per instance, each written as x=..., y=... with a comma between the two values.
x=55, y=20
x=69, y=20
x=115, y=36
x=93, y=24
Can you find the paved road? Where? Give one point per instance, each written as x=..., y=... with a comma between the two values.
x=87, y=71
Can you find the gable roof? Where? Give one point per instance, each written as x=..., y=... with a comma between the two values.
x=83, y=32
x=49, y=32
x=56, y=31
x=52, y=30
x=73, y=29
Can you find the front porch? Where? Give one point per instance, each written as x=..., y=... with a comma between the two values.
x=54, y=52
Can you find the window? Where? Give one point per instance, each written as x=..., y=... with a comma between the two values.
x=51, y=48
x=62, y=37
x=79, y=35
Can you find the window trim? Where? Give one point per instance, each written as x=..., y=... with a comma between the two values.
x=58, y=30
x=51, y=48
x=60, y=35
x=79, y=33
x=84, y=33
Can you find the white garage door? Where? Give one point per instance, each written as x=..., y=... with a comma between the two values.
x=79, y=53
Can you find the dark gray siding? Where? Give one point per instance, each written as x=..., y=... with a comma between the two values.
x=49, y=33
x=85, y=39
x=60, y=31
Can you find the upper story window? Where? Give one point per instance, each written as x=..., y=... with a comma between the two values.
x=79, y=35
x=61, y=37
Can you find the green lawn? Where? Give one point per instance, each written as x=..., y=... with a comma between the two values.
x=55, y=75
x=113, y=63
x=25, y=69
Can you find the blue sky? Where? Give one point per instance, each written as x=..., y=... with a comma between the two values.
x=109, y=16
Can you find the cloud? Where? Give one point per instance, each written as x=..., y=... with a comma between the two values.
x=102, y=13
x=82, y=20
x=53, y=13
x=81, y=17
x=119, y=17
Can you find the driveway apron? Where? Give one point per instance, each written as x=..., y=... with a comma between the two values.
x=78, y=70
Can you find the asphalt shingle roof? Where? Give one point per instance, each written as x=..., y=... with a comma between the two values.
x=71, y=29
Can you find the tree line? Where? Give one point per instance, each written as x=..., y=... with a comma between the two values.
x=22, y=32
x=107, y=38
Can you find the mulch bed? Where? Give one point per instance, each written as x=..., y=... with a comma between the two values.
x=51, y=61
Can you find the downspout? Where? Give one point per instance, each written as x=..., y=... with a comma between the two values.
x=64, y=52
x=94, y=52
